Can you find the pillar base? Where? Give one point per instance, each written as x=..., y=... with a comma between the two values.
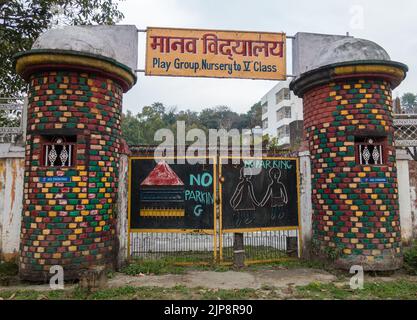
x=70, y=274
x=388, y=261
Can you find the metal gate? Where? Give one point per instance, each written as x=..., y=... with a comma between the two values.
x=183, y=212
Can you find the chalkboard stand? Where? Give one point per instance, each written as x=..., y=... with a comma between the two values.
x=238, y=251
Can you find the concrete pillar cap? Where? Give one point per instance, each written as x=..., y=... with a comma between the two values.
x=35, y=60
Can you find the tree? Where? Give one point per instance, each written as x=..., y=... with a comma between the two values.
x=131, y=130
x=140, y=129
x=409, y=102
x=22, y=21
x=253, y=117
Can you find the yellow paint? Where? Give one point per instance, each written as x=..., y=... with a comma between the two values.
x=162, y=212
x=381, y=69
x=236, y=39
x=40, y=59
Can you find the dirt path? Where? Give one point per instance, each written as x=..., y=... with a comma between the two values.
x=227, y=280
x=208, y=279
x=260, y=279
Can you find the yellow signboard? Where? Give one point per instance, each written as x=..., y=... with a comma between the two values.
x=216, y=54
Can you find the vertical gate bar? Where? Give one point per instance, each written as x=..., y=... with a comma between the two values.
x=220, y=191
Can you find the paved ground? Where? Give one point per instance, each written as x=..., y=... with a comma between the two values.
x=227, y=280
x=211, y=280
x=277, y=278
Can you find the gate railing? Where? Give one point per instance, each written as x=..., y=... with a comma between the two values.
x=194, y=246
x=405, y=134
x=12, y=119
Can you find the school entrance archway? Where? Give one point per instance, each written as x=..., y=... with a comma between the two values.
x=77, y=77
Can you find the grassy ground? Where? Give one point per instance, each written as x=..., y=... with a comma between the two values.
x=173, y=266
x=399, y=289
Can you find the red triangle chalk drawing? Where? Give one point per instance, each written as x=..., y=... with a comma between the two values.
x=162, y=175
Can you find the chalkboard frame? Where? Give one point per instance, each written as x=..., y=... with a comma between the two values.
x=212, y=163
x=251, y=229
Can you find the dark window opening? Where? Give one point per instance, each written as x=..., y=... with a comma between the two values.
x=370, y=150
x=59, y=151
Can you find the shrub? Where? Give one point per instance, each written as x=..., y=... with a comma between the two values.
x=410, y=259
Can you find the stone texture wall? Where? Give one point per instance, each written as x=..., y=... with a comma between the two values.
x=71, y=223
x=11, y=191
x=412, y=165
x=356, y=221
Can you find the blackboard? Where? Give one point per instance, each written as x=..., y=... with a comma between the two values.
x=184, y=200
x=259, y=193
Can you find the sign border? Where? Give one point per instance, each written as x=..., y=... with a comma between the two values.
x=214, y=77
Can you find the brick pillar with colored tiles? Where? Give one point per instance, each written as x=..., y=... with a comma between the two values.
x=72, y=159
x=348, y=109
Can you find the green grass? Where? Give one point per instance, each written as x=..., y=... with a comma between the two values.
x=8, y=271
x=174, y=265
x=410, y=259
x=134, y=293
x=256, y=253
x=400, y=289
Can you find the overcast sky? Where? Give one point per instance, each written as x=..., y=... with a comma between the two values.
x=391, y=24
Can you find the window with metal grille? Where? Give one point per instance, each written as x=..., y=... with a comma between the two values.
x=370, y=150
x=284, y=113
x=283, y=94
x=265, y=124
x=283, y=131
x=59, y=151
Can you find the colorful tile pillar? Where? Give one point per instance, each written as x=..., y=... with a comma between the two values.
x=348, y=127
x=72, y=160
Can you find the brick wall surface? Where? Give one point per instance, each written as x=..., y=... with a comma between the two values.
x=71, y=223
x=360, y=221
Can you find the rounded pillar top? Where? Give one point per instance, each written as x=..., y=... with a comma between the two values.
x=350, y=58
x=110, y=51
x=35, y=60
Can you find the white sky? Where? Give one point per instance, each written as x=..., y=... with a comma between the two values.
x=391, y=24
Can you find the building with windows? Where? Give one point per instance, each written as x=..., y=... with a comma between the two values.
x=281, y=111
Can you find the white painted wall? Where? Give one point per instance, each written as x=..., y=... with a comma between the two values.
x=404, y=195
x=122, y=207
x=306, y=208
x=11, y=195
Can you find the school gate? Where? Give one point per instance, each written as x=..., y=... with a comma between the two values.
x=74, y=154
x=189, y=212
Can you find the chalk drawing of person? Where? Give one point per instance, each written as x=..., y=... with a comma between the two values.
x=243, y=199
x=275, y=195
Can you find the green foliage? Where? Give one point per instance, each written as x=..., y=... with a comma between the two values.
x=332, y=253
x=401, y=289
x=398, y=289
x=7, y=120
x=22, y=21
x=8, y=269
x=140, y=128
x=409, y=102
x=410, y=259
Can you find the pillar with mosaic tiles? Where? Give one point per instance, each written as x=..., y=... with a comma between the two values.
x=348, y=125
x=72, y=159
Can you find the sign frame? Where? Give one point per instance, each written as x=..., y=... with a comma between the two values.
x=283, y=74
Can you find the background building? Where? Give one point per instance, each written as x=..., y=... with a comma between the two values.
x=281, y=109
